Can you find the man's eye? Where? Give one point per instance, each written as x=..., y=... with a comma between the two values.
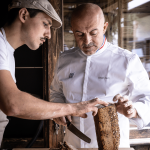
x=93, y=33
x=80, y=34
x=45, y=24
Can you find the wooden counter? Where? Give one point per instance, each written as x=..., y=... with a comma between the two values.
x=58, y=149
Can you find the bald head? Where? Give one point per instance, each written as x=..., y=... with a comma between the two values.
x=87, y=24
x=86, y=11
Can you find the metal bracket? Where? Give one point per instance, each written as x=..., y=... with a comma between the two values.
x=56, y=127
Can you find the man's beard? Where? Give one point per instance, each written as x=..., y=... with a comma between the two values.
x=88, y=46
x=42, y=38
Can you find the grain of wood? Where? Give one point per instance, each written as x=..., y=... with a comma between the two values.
x=55, y=45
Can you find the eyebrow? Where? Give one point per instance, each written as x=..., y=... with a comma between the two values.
x=93, y=30
x=90, y=31
x=49, y=22
x=79, y=31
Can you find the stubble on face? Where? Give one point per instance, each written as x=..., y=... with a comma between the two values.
x=88, y=46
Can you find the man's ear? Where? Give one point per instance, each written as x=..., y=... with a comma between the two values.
x=105, y=27
x=23, y=15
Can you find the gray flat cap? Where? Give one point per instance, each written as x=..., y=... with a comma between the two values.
x=43, y=5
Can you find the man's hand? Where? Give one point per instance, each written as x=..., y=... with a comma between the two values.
x=62, y=120
x=80, y=109
x=125, y=107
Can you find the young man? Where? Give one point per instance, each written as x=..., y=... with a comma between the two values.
x=99, y=69
x=29, y=23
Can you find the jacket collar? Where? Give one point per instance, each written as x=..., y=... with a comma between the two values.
x=103, y=47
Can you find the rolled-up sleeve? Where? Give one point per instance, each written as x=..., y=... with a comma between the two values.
x=56, y=91
x=139, y=87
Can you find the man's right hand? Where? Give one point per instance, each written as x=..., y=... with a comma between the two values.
x=80, y=109
x=62, y=120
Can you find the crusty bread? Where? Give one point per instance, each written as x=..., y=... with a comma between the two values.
x=107, y=128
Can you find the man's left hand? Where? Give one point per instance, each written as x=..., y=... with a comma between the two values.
x=124, y=106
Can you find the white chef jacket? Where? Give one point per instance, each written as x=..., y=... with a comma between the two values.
x=110, y=71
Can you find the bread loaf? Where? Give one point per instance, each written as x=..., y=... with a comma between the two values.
x=107, y=128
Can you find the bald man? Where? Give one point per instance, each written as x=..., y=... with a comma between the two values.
x=97, y=68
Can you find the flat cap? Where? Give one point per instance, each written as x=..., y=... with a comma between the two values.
x=43, y=5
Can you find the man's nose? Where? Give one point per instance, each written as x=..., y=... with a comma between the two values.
x=87, y=39
x=47, y=34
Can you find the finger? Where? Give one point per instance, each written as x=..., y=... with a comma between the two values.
x=95, y=111
x=122, y=100
x=57, y=120
x=116, y=97
x=83, y=116
x=60, y=121
x=130, y=111
x=69, y=118
x=96, y=101
x=102, y=102
x=63, y=120
x=129, y=107
x=126, y=97
x=128, y=104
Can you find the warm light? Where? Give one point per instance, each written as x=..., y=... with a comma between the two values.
x=136, y=3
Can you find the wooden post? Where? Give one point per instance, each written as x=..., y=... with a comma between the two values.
x=55, y=45
x=147, y=46
x=119, y=23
